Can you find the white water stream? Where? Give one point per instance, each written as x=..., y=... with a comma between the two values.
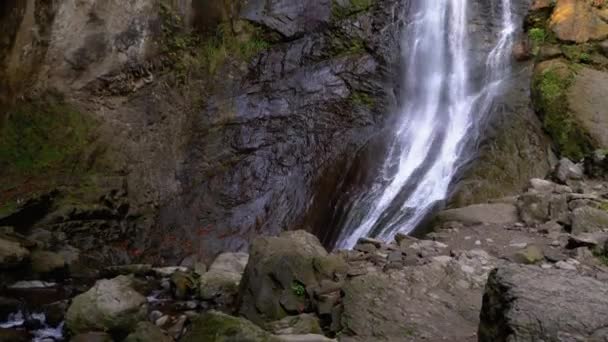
x=439, y=120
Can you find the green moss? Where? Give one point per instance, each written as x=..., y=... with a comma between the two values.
x=537, y=37
x=191, y=54
x=550, y=97
x=341, y=11
x=601, y=254
x=359, y=98
x=215, y=326
x=342, y=45
x=39, y=136
x=578, y=53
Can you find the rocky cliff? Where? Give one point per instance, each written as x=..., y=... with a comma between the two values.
x=155, y=124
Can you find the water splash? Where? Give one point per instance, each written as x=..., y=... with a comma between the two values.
x=439, y=120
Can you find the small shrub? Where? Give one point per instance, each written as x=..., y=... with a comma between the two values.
x=537, y=35
x=298, y=289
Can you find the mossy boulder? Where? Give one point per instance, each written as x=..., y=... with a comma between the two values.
x=110, y=305
x=214, y=326
x=529, y=255
x=147, y=332
x=282, y=275
x=551, y=97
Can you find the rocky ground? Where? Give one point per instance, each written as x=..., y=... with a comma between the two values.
x=525, y=268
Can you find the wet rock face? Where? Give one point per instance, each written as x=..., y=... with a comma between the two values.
x=264, y=140
x=287, y=17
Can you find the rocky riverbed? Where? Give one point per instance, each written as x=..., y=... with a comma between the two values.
x=523, y=268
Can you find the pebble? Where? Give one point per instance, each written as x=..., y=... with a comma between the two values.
x=162, y=321
x=564, y=265
x=477, y=243
x=519, y=244
x=155, y=315
x=546, y=266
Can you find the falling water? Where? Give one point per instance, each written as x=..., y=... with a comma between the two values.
x=439, y=119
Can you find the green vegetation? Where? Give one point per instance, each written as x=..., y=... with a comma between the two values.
x=42, y=135
x=537, y=36
x=550, y=98
x=602, y=255
x=353, y=6
x=359, y=98
x=341, y=45
x=191, y=54
x=578, y=53
x=298, y=289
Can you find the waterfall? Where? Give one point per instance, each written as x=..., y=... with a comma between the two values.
x=439, y=118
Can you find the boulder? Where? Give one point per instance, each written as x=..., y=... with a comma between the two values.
x=577, y=21
x=588, y=220
x=287, y=17
x=110, y=305
x=567, y=170
x=534, y=207
x=494, y=213
x=529, y=255
x=588, y=102
x=221, y=282
x=11, y=254
x=296, y=325
x=215, y=326
x=526, y=303
x=554, y=98
x=282, y=275
x=590, y=240
x=147, y=332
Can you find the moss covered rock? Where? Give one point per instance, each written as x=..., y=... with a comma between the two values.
x=218, y=327
x=147, y=332
x=552, y=80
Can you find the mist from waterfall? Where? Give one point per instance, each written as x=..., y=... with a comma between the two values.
x=438, y=122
